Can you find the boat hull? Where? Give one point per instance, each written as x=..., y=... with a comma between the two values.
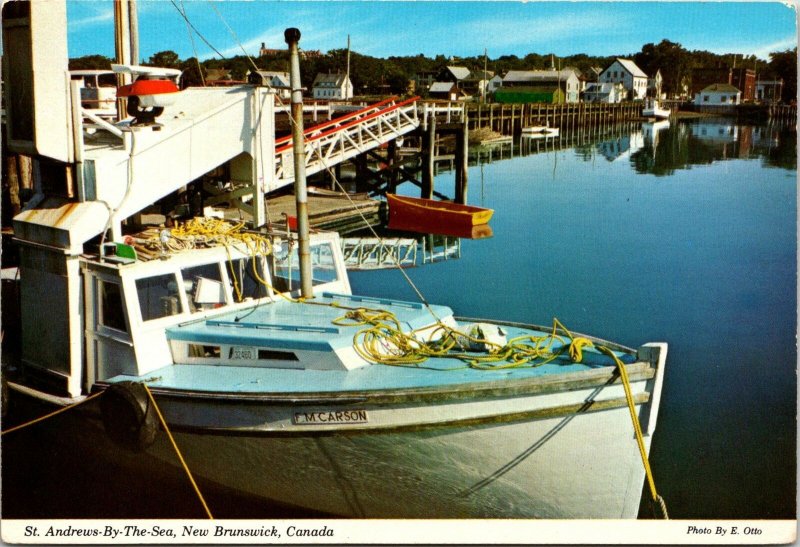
x=556, y=454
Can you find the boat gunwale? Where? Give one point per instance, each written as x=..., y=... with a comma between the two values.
x=449, y=207
x=509, y=417
x=538, y=385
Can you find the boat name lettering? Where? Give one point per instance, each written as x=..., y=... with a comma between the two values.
x=331, y=417
x=243, y=353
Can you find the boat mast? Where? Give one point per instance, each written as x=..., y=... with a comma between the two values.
x=126, y=43
x=292, y=36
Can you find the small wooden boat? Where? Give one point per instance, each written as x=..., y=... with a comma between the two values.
x=434, y=217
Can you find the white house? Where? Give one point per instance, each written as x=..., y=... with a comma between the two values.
x=718, y=95
x=494, y=83
x=276, y=80
x=567, y=80
x=332, y=86
x=625, y=71
x=604, y=93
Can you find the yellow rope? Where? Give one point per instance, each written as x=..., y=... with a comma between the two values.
x=178, y=452
x=637, y=428
x=46, y=416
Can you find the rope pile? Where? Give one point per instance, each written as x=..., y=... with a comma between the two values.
x=383, y=341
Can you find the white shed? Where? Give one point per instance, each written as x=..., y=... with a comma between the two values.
x=718, y=95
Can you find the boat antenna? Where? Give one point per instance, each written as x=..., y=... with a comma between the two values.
x=292, y=36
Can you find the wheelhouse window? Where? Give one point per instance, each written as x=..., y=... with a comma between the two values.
x=111, y=306
x=286, y=267
x=158, y=296
x=203, y=287
x=248, y=278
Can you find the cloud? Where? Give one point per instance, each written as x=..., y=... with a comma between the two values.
x=89, y=20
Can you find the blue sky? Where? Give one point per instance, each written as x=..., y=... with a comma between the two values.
x=449, y=28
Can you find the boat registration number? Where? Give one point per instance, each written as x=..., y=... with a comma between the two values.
x=243, y=354
x=331, y=417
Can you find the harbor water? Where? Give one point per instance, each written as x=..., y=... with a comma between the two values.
x=685, y=234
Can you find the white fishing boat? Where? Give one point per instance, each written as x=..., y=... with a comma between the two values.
x=652, y=109
x=272, y=376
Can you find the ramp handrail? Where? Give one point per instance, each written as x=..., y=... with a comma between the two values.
x=327, y=148
x=337, y=121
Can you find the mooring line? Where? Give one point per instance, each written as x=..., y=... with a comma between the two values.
x=46, y=416
x=178, y=452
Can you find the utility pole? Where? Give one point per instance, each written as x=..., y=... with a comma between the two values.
x=347, y=82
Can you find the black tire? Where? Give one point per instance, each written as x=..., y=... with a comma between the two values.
x=128, y=416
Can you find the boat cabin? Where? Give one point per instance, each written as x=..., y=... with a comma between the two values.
x=131, y=306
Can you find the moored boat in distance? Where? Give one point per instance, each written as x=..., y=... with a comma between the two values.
x=652, y=109
x=268, y=371
x=537, y=130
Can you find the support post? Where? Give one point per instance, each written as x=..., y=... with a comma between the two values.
x=292, y=37
x=428, y=159
x=462, y=164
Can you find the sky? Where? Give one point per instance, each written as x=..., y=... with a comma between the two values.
x=449, y=28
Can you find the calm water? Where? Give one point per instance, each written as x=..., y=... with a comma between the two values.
x=691, y=242
x=687, y=237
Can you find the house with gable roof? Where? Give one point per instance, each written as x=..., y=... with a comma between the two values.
x=332, y=87
x=632, y=78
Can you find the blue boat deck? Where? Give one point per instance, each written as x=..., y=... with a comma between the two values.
x=290, y=325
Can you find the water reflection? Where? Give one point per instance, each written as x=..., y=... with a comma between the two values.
x=661, y=147
x=704, y=141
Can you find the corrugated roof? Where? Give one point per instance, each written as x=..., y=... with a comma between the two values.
x=631, y=67
x=726, y=88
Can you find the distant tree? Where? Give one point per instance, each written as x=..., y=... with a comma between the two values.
x=165, y=59
x=671, y=58
x=190, y=76
x=783, y=64
x=90, y=62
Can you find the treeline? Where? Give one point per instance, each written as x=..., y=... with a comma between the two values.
x=372, y=75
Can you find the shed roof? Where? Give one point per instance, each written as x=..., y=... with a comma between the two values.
x=720, y=88
x=534, y=76
x=441, y=87
x=460, y=72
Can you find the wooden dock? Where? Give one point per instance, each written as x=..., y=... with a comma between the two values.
x=329, y=212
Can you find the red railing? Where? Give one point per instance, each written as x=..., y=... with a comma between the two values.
x=352, y=123
x=336, y=121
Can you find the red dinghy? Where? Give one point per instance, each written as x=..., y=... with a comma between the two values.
x=435, y=217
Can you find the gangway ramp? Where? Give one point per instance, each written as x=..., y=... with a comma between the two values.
x=335, y=141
